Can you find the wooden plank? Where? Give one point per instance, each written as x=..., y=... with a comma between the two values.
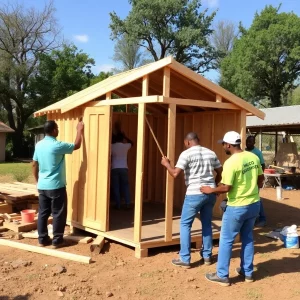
x=98, y=244
x=46, y=251
x=243, y=128
x=166, y=82
x=140, y=164
x=23, y=227
x=6, y=208
x=176, y=66
x=133, y=100
x=197, y=103
x=170, y=179
x=75, y=238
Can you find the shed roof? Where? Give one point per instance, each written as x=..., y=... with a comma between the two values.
x=5, y=128
x=277, y=118
x=185, y=84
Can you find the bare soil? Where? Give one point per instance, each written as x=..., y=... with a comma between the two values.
x=117, y=274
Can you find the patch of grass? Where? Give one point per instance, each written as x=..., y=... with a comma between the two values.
x=19, y=171
x=253, y=294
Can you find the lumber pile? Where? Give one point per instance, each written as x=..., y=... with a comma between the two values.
x=18, y=192
x=14, y=222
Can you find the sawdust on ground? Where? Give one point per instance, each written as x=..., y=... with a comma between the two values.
x=117, y=274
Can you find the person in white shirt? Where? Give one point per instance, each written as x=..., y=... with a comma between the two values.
x=119, y=169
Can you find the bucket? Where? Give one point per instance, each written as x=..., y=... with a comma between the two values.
x=27, y=215
x=290, y=241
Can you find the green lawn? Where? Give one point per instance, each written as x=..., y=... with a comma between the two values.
x=18, y=171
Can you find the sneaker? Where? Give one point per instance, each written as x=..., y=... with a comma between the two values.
x=239, y=272
x=207, y=261
x=179, y=263
x=213, y=277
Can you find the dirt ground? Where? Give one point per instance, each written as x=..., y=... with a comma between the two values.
x=117, y=274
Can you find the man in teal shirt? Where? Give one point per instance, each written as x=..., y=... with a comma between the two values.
x=250, y=142
x=49, y=172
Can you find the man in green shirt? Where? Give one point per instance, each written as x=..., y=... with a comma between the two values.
x=250, y=142
x=242, y=176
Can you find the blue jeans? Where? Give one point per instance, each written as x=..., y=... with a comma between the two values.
x=192, y=205
x=120, y=185
x=237, y=219
x=262, y=216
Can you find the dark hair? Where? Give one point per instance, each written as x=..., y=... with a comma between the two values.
x=49, y=126
x=192, y=136
x=250, y=137
x=117, y=138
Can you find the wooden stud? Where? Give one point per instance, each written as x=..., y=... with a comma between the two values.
x=218, y=98
x=50, y=252
x=170, y=179
x=108, y=96
x=198, y=103
x=243, y=128
x=133, y=100
x=166, y=82
x=140, y=165
x=140, y=253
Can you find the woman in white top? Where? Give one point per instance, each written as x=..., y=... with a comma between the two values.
x=119, y=169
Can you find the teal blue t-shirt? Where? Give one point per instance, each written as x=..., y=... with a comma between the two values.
x=258, y=153
x=50, y=155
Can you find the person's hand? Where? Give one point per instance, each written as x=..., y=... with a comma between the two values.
x=165, y=161
x=206, y=189
x=80, y=126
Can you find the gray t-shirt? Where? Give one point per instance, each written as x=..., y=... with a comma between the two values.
x=198, y=164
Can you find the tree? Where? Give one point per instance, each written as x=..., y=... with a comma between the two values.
x=169, y=27
x=101, y=76
x=24, y=35
x=223, y=38
x=265, y=60
x=60, y=74
x=128, y=54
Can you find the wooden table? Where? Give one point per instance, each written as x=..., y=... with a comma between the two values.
x=278, y=178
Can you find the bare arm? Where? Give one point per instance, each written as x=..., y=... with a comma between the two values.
x=219, y=175
x=78, y=140
x=260, y=181
x=35, y=170
x=174, y=172
x=221, y=189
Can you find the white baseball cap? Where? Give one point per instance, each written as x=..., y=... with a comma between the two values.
x=231, y=137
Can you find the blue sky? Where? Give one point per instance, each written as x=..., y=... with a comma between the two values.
x=86, y=22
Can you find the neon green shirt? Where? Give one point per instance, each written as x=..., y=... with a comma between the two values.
x=241, y=171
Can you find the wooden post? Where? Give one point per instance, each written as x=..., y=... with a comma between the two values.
x=140, y=165
x=170, y=179
x=170, y=155
x=108, y=96
x=276, y=143
x=243, y=129
x=218, y=98
x=260, y=139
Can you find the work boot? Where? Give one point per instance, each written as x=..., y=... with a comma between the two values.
x=179, y=263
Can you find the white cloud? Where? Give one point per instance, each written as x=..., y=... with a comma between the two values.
x=211, y=3
x=103, y=68
x=83, y=38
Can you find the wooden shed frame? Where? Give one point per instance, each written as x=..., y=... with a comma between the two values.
x=164, y=88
